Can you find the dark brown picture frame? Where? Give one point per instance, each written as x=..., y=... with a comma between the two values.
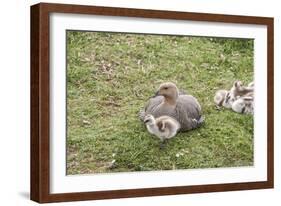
x=40, y=98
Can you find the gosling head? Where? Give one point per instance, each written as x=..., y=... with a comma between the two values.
x=237, y=84
x=228, y=100
x=168, y=90
x=239, y=89
x=149, y=119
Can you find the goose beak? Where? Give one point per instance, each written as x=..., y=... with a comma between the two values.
x=156, y=94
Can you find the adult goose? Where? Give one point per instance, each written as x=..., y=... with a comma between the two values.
x=168, y=101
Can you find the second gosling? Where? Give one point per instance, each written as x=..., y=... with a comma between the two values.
x=164, y=127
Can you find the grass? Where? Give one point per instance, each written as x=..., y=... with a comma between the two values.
x=110, y=76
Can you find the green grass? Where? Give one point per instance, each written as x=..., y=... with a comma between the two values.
x=110, y=76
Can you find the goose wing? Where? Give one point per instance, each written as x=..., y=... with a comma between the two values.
x=152, y=103
x=188, y=112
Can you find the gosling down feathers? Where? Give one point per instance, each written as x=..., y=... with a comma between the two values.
x=168, y=101
x=244, y=105
x=163, y=127
x=240, y=98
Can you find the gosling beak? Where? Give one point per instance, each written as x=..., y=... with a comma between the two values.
x=146, y=120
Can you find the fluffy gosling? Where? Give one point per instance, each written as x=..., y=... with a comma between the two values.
x=244, y=105
x=227, y=98
x=164, y=127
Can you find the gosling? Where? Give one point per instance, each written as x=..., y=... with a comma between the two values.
x=244, y=105
x=227, y=98
x=239, y=90
x=244, y=99
x=164, y=127
x=221, y=98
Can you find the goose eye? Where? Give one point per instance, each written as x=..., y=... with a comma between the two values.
x=165, y=87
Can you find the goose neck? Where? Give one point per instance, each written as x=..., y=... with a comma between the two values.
x=170, y=100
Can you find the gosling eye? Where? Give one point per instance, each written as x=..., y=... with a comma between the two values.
x=165, y=87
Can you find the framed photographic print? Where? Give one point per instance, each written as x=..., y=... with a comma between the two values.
x=132, y=102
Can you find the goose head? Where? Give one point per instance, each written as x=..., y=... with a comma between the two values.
x=149, y=119
x=169, y=90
